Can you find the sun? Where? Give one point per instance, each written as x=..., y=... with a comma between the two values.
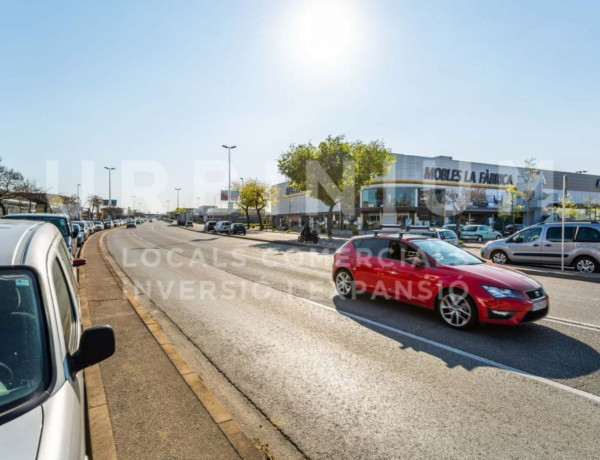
x=324, y=35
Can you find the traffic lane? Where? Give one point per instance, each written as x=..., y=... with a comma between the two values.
x=563, y=353
x=340, y=390
x=573, y=300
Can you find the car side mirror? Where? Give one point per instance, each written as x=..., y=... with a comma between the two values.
x=97, y=343
x=75, y=232
x=415, y=262
x=79, y=262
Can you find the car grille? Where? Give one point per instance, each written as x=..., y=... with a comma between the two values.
x=535, y=294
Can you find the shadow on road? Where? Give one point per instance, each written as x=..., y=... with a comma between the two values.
x=533, y=348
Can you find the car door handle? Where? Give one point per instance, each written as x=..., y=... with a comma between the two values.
x=535, y=245
x=548, y=245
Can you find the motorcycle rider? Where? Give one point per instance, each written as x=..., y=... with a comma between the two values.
x=306, y=232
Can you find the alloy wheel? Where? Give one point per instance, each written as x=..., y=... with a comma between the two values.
x=585, y=266
x=343, y=283
x=456, y=310
x=499, y=257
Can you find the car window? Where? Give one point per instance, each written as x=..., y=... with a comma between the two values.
x=555, y=233
x=470, y=228
x=25, y=369
x=446, y=253
x=376, y=247
x=528, y=235
x=65, y=305
x=587, y=235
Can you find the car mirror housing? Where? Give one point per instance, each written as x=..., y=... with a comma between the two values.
x=97, y=344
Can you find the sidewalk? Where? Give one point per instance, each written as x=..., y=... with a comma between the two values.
x=151, y=394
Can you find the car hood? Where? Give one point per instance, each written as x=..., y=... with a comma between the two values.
x=20, y=438
x=499, y=276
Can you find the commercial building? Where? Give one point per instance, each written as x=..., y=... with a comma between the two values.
x=434, y=190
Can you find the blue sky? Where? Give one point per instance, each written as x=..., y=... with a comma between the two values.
x=90, y=84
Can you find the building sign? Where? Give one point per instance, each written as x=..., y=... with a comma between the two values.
x=112, y=203
x=289, y=190
x=234, y=195
x=466, y=176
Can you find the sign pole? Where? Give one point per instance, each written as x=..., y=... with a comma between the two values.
x=562, y=238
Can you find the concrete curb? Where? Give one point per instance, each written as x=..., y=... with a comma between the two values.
x=230, y=428
x=101, y=441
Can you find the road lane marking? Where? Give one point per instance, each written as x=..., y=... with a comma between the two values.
x=568, y=322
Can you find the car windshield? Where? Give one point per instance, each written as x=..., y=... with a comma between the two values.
x=469, y=228
x=445, y=253
x=24, y=370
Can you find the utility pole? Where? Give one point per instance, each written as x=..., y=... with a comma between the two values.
x=229, y=148
x=178, y=189
x=133, y=205
x=109, y=193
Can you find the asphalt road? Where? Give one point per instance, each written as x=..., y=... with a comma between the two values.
x=339, y=378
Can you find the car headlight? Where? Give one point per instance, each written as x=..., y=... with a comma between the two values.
x=502, y=293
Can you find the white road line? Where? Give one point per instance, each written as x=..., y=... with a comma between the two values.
x=568, y=322
x=460, y=352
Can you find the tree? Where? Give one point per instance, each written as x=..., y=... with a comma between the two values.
x=13, y=185
x=72, y=205
x=570, y=208
x=95, y=201
x=460, y=199
x=591, y=205
x=530, y=177
x=245, y=198
x=335, y=170
x=511, y=207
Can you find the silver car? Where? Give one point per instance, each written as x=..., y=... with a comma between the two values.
x=43, y=348
x=441, y=233
x=541, y=244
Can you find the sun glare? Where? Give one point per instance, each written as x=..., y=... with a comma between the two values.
x=324, y=35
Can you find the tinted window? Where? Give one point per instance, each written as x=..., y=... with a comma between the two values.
x=372, y=247
x=23, y=350
x=588, y=235
x=446, y=254
x=65, y=304
x=450, y=234
x=470, y=228
x=555, y=233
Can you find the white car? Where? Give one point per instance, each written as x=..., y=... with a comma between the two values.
x=222, y=226
x=44, y=348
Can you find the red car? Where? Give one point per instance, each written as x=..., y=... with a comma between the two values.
x=431, y=273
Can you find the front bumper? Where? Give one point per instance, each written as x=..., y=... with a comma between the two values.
x=513, y=311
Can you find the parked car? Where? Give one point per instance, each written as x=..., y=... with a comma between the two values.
x=85, y=229
x=542, y=244
x=222, y=226
x=131, y=224
x=452, y=227
x=44, y=347
x=189, y=223
x=238, y=229
x=98, y=225
x=60, y=221
x=80, y=234
x=512, y=228
x=447, y=235
x=210, y=226
x=90, y=226
x=479, y=233
x=424, y=272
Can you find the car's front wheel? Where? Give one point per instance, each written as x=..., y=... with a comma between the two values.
x=480, y=239
x=456, y=309
x=344, y=283
x=586, y=264
x=499, y=257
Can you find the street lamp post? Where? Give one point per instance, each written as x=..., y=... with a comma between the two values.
x=229, y=148
x=178, y=189
x=109, y=192
x=133, y=205
x=242, y=179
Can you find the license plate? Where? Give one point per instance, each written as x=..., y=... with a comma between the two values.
x=539, y=305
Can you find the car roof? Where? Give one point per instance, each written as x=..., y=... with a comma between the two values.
x=22, y=239
x=393, y=236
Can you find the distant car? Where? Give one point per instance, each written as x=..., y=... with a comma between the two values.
x=479, y=233
x=238, y=229
x=447, y=235
x=452, y=227
x=60, y=221
x=210, y=226
x=150, y=220
x=222, y=226
x=44, y=347
x=131, y=224
x=189, y=223
x=98, y=225
x=85, y=229
x=513, y=228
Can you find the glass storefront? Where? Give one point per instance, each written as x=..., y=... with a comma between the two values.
x=374, y=197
